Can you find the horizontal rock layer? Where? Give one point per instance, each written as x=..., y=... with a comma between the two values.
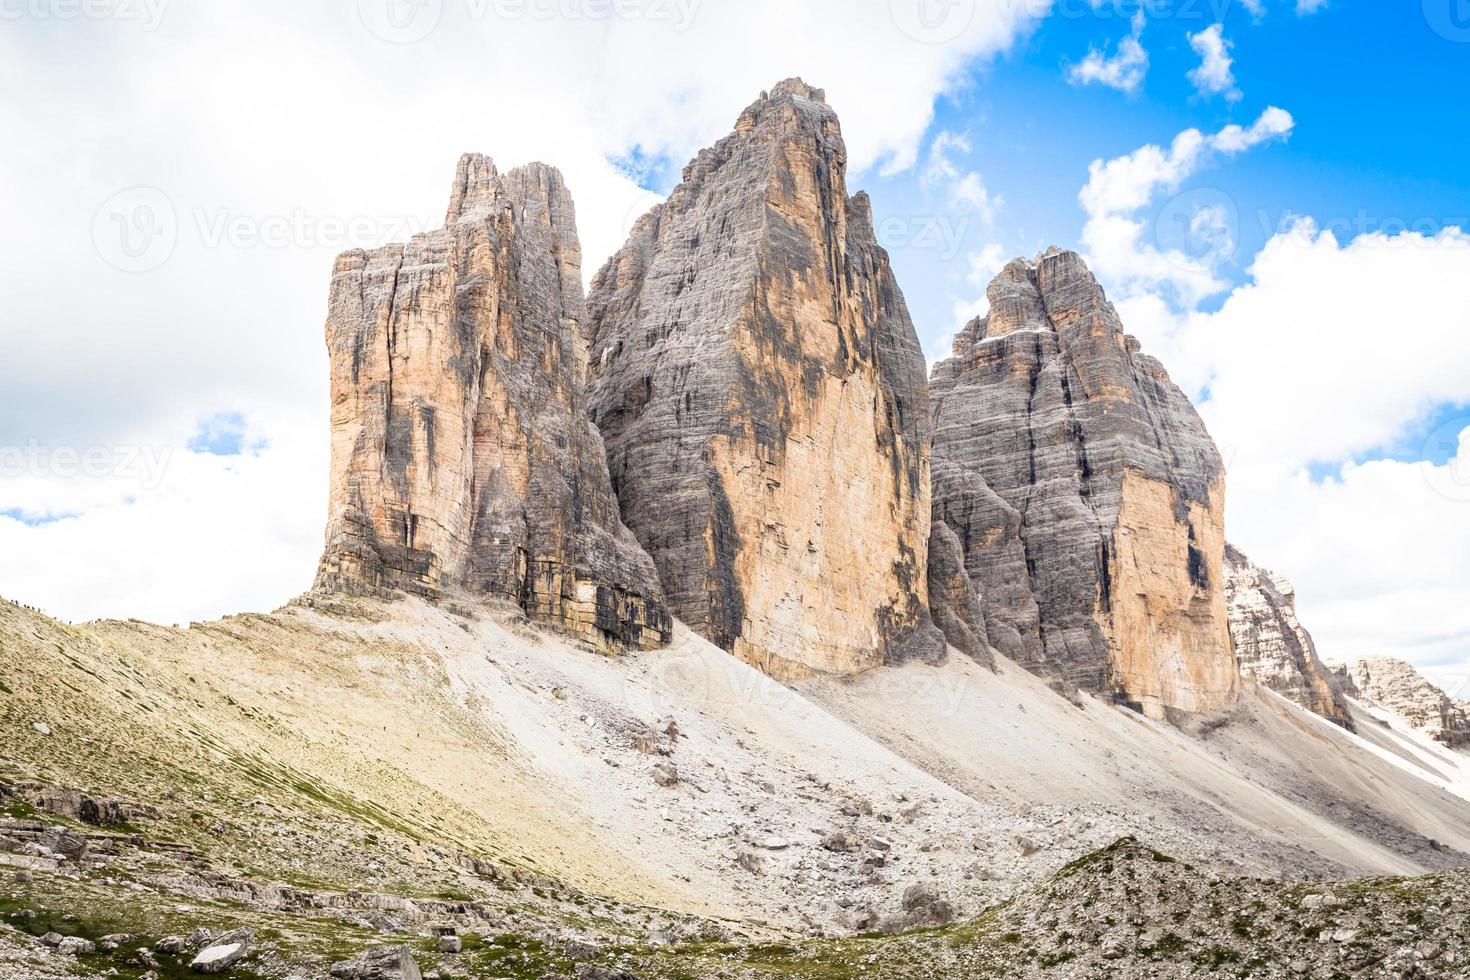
x=1086, y=494
x=1396, y=686
x=1270, y=643
x=762, y=394
x=462, y=459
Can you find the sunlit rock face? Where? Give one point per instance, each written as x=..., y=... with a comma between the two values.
x=462, y=457
x=1270, y=642
x=1086, y=494
x=761, y=390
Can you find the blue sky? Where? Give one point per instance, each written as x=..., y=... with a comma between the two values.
x=1383, y=127
x=163, y=411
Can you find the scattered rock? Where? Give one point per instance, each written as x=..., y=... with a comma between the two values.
x=379, y=963
x=752, y=862
x=580, y=950
x=841, y=842
x=224, y=952
x=76, y=946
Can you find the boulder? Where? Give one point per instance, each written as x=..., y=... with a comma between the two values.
x=222, y=954
x=379, y=963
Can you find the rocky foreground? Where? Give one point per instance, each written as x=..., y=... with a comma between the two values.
x=1124, y=911
x=290, y=794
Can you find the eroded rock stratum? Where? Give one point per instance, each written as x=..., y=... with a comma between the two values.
x=462, y=457
x=762, y=394
x=1086, y=494
x=1271, y=643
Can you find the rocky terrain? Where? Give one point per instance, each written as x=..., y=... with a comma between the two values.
x=1270, y=642
x=1399, y=688
x=431, y=766
x=461, y=455
x=347, y=774
x=1087, y=495
x=761, y=390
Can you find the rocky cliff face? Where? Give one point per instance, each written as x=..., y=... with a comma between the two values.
x=1396, y=686
x=462, y=459
x=1086, y=494
x=762, y=394
x=1271, y=644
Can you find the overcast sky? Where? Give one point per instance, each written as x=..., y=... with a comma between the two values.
x=1272, y=191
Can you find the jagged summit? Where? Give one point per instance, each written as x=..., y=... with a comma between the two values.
x=761, y=390
x=477, y=188
x=1087, y=493
x=796, y=88
x=462, y=459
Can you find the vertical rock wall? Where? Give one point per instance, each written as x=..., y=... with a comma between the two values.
x=462, y=459
x=1086, y=494
x=762, y=394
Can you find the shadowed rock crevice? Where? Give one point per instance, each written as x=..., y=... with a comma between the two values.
x=462, y=460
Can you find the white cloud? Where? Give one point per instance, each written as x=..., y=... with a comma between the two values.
x=168, y=535
x=1334, y=352
x=1117, y=240
x=1125, y=70
x=1272, y=124
x=1214, y=75
x=297, y=121
x=965, y=189
x=1257, y=8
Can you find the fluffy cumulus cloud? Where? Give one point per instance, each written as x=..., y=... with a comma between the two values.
x=1123, y=70
x=182, y=201
x=1179, y=251
x=1215, y=74
x=965, y=190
